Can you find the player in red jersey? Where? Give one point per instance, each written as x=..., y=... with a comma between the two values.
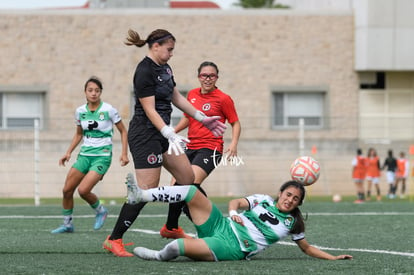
x=403, y=166
x=373, y=173
x=204, y=149
x=358, y=175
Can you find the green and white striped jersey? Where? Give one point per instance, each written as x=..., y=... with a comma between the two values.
x=97, y=129
x=264, y=225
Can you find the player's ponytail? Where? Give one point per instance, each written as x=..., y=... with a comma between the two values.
x=299, y=225
x=159, y=36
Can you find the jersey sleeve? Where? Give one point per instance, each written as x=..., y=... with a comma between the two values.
x=115, y=117
x=144, y=84
x=77, y=117
x=257, y=198
x=188, y=99
x=297, y=237
x=229, y=110
x=354, y=162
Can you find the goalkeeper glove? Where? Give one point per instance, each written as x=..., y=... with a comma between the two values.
x=211, y=122
x=176, y=142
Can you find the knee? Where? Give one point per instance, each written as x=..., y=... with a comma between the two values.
x=83, y=193
x=67, y=193
x=200, y=189
x=187, y=179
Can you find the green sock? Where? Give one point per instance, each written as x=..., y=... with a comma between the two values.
x=97, y=206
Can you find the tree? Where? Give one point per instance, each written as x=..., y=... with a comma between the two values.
x=260, y=4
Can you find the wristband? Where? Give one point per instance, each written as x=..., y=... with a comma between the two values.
x=232, y=213
x=167, y=131
x=199, y=116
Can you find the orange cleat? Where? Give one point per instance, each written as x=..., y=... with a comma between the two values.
x=116, y=247
x=174, y=233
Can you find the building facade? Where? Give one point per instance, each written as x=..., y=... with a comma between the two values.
x=281, y=67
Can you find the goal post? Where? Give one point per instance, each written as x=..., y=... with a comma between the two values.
x=36, y=162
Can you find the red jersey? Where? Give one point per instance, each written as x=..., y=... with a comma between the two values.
x=402, y=168
x=214, y=103
x=373, y=167
x=359, y=164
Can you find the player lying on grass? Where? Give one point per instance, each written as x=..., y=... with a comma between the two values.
x=263, y=222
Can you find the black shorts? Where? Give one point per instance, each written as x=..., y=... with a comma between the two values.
x=206, y=159
x=146, y=147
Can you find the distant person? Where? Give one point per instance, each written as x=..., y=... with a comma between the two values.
x=391, y=164
x=403, y=166
x=262, y=222
x=358, y=175
x=94, y=125
x=204, y=150
x=373, y=173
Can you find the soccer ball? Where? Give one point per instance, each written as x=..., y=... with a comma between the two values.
x=336, y=198
x=305, y=170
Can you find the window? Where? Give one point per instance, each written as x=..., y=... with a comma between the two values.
x=290, y=106
x=371, y=80
x=18, y=110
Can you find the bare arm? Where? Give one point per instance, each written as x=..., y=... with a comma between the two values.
x=77, y=137
x=237, y=204
x=182, y=103
x=182, y=124
x=148, y=104
x=235, y=135
x=317, y=253
x=124, y=140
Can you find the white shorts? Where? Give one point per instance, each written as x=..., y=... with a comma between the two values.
x=374, y=180
x=390, y=177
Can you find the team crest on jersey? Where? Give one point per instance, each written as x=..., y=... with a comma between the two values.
x=152, y=159
x=193, y=100
x=101, y=116
x=288, y=221
x=206, y=107
x=169, y=71
x=255, y=202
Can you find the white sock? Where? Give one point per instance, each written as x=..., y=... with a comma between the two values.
x=67, y=220
x=167, y=194
x=100, y=208
x=170, y=251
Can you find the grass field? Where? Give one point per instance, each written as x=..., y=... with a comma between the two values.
x=380, y=236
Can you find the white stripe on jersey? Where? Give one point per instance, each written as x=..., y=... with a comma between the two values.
x=264, y=223
x=99, y=140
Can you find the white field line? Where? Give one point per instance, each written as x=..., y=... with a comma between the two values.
x=408, y=254
x=77, y=216
x=164, y=215
x=152, y=232
x=362, y=214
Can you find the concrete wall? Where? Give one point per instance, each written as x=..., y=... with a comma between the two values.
x=255, y=51
x=384, y=35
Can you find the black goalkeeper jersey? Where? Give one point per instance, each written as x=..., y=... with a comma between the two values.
x=151, y=79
